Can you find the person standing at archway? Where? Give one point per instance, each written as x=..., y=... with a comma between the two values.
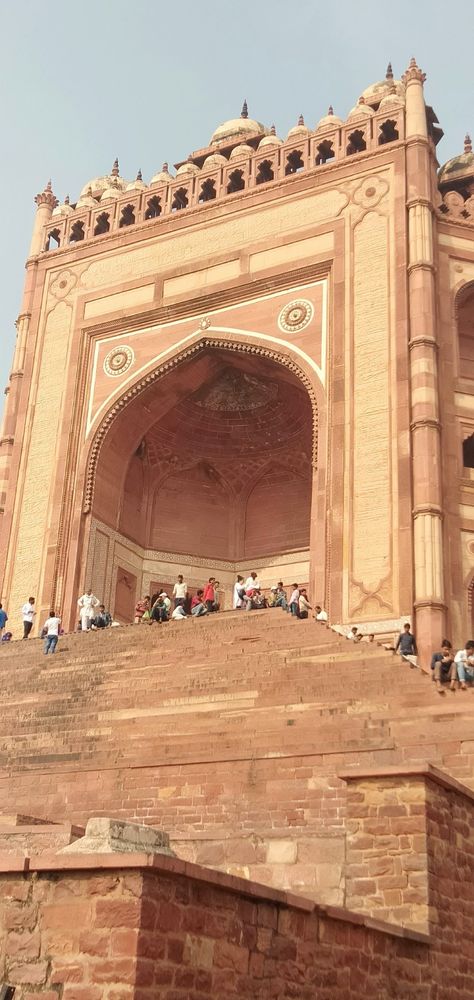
x=209, y=596
x=180, y=591
x=239, y=594
x=28, y=611
x=87, y=605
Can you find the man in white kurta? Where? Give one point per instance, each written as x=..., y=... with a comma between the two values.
x=87, y=605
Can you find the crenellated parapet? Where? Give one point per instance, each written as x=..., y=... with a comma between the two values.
x=243, y=156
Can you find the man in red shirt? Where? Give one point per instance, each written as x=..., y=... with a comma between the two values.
x=209, y=596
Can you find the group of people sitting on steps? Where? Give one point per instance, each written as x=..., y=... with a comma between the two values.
x=247, y=596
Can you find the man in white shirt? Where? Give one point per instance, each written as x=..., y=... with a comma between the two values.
x=252, y=583
x=179, y=614
x=352, y=635
x=87, y=605
x=166, y=602
x=28, y=612
x=464, y=661
x=320, y=615
x=295, y=601
x=180, y=590
x=51, y=627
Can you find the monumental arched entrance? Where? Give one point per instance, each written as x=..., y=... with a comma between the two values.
x=209, y=466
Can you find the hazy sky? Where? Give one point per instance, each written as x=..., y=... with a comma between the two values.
x=83, y=82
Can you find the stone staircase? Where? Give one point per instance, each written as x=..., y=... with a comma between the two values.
x=227, y=732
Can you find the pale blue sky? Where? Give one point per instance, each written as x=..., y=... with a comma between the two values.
x=81, y=83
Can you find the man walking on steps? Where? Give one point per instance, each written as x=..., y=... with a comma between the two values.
x=51, y=628
x=406, y=642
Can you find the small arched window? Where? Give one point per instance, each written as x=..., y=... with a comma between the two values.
x=468, y=452
x=180, y=200
x=236, y=181
x=294, y=162
x=54, y=240
x=265, y=172
x=102, y=224
x=208, y=190
x=77, y=232
x=388, y=132
x=127, y=217
x=356, y=142
x=325, y=152
x=153, y=209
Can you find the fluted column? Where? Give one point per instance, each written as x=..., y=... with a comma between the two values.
x=430, y=609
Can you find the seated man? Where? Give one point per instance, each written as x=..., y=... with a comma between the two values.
x=443, y=666
x=158, y=611
x=464, y=661
x=142, y=608
x=102, y=619
x=319, y=614
x=179, y=613
x=352, y=635
x=198, y=607
x=280, y=597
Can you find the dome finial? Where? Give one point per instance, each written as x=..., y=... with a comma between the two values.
x=139, y=175
x=67, y=200
x=245, y=111
x=467, y=143
x=165, y=167
x=115, y=168
x=301, y=120
x=273, y=130
x=389, y=73
x=330, y=110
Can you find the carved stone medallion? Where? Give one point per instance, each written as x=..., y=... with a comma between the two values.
x=295, y=316
x=118, y=361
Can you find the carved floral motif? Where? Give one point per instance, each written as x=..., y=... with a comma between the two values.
x=118, y=361
x=63, y=284
x=295, y=316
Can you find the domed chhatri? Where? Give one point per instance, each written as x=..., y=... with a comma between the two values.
x=459, y=168
x=64, y=209
x=188, y=169
x=113, y=191
x=329, y=121
x=374, y=94
x=361, y=110
x=99, y=184
x=270, y=140
x=236, y=128
x=138, y=184
x=243, y=149
x=300, y=129
x=214, y=161
x=87, y=200
x=162, y=177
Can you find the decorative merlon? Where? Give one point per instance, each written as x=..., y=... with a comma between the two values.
x=113, y=836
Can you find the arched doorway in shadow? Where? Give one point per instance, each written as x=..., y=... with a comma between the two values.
x=207, y=467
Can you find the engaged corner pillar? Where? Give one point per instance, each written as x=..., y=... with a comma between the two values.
x=430, y=609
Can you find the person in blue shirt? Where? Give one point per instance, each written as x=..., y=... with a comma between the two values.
x=3, y=619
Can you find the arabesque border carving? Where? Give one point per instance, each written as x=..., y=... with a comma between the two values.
x=164, y=369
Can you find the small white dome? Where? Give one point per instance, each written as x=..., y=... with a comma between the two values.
x=214, y=161
x=329, y=121
x=112, y=192
x=391, y=100
x=361, y=110
x=300, y=129
x=86, y=200
x=100, y=184
x=162, y=177
x=187, y=169
x=270, y=140
x=138, y=184
x=64, y=209
x=243, y=149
